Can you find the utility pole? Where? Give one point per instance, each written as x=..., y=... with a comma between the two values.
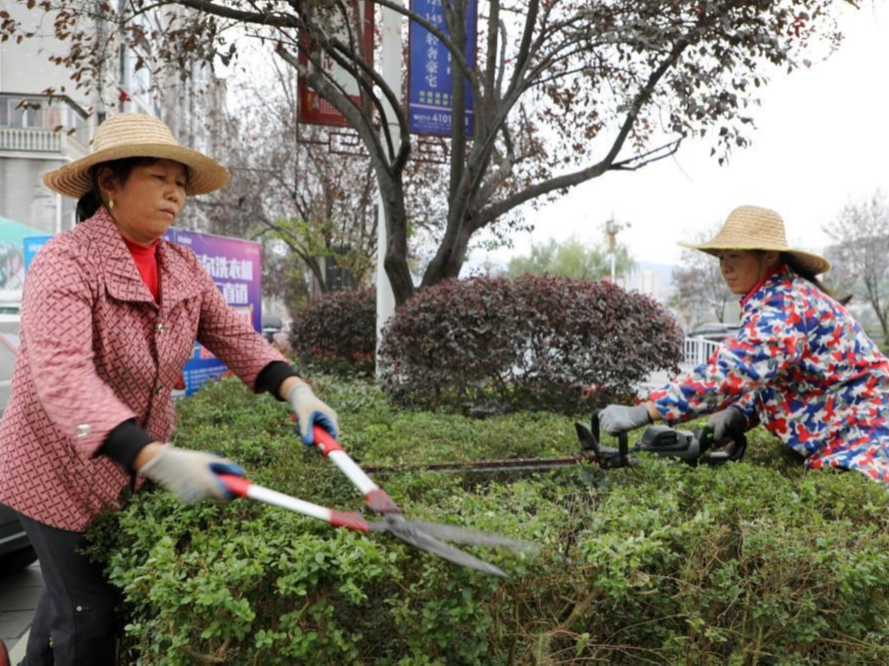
x=392, y=65
x=611, y=230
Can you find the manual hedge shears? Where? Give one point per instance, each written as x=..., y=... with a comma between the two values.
x=424, y=536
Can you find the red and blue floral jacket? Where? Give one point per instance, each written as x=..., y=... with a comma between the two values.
x=804, y=368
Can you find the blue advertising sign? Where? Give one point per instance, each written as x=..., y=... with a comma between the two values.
x=430, y=78
x=32, y=246
x=235, y=266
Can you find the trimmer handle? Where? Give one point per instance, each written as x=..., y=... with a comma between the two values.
x=606, y=454
x=246, y=488
x=737, y=446
x=325, y=442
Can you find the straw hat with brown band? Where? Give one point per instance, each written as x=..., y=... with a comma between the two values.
x=136, y=135
x=754, y=228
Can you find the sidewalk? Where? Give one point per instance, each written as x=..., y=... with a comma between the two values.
x=19, y=593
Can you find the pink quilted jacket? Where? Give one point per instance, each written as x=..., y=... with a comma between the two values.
x=96, y=350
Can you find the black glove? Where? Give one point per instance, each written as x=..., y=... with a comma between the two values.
x=726, y=423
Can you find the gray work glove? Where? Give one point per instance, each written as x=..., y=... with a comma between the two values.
x=310, y=411
x=726, y=423
x=615, y=419
x=191, y=475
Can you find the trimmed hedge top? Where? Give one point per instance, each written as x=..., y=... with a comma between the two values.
x=756, y=562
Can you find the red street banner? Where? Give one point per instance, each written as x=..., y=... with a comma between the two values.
x=314, y=109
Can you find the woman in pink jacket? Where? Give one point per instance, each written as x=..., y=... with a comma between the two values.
x=109, y=317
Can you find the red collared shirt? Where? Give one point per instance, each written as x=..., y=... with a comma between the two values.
x=146, y=263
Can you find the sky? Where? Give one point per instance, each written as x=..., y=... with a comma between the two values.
x=822, y=141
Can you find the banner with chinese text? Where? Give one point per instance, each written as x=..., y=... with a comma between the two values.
x=430, y=73
x=236, y=268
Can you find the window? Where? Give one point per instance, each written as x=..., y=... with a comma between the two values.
x=34, y=113
x=16, y=112
x=52, y=117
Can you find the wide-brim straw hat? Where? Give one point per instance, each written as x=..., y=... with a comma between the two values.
x=754, y=228
x=136, y=135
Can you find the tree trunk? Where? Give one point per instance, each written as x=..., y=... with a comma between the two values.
x=395, y=259
x=448, y=261
x=883, y=317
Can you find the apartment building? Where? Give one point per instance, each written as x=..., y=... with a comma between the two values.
x=39, y=133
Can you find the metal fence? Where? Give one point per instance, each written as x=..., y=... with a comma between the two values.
x=697, y=350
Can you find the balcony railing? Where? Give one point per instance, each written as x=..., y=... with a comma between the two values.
x=30, y=140
x=29, y=124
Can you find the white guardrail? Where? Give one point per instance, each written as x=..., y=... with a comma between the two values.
x=696, y=351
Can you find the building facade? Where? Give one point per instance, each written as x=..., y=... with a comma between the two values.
x=40, y=132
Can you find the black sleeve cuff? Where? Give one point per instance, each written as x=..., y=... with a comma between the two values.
x=272, y=376
x=124, y=443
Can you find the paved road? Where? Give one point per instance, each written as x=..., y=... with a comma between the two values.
x=19, y=593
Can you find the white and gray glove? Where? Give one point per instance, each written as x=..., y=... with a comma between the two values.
x=310, y=411
x=191, y=475
x=616, y=419
x=726, y=423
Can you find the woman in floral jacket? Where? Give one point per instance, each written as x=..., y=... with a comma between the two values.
x=800, y=364
x=109, y=317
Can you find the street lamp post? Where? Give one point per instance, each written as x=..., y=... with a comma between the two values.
x=392, y=64
x=611, y=230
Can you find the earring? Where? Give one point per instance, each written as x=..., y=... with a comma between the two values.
x=110, y=203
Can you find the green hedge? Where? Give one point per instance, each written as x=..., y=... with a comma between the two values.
x=758, y=562
x=337, y=333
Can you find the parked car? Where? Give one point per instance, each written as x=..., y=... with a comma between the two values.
x=15, y=551
x=715, y=331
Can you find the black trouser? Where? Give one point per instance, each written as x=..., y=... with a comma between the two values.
x=76, y=609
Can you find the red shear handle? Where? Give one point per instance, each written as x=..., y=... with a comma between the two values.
x=350, y=520
x=325, y=442
x=235, y=484
x=380, y=502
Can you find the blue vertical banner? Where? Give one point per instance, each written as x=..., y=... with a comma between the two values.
x=431, y=72
x=236, y=268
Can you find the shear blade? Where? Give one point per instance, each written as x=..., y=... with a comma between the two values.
x=419, y=539
x=471, y=537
